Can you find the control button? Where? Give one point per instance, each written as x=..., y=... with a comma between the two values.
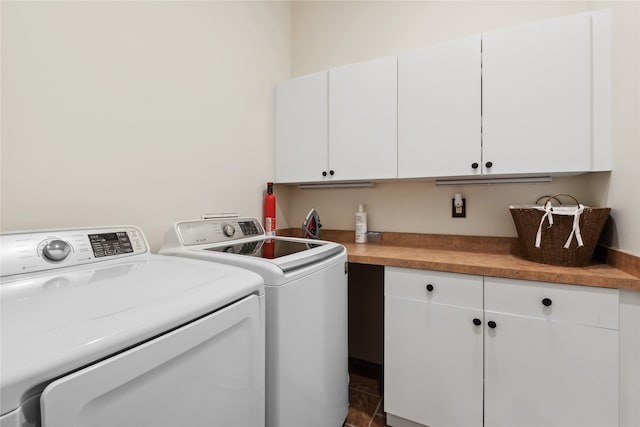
x=228, y=229
x=56, y=250
x=248, y=228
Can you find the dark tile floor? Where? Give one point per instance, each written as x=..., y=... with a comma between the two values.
x=366, y=407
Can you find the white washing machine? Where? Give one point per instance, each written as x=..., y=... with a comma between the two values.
x=306, y=296
x=96, y=331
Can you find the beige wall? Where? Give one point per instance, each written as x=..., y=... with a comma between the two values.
x=328, y=34
x=137, y=113
x=422, y=207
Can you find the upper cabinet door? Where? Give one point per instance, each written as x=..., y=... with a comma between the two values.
x=536, y=97
x=439, y=118
x=363, y=120
x=301, y=146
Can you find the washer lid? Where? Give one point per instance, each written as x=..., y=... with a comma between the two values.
x=268, y=248
x=287, y=253
x=54, y=323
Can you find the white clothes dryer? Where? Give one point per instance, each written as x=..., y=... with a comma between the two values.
x=96, y=331
x=306, y=300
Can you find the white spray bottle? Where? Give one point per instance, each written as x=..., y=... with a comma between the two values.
x=361, y=225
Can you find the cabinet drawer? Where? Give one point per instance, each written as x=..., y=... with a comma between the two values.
x=566, y=303
x=446, y=288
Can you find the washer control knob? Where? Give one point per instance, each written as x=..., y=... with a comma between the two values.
x=56, y=250
x=228, y=229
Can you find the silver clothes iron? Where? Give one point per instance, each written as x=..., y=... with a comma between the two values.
x=311, y=225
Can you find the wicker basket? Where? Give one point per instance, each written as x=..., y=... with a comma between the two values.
x=553, y=238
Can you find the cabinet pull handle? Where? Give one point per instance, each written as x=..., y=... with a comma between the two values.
x=324, y=173
x=429, y=287
x=546, y=302
x=491, y=324
x=477, y=322
x=474, y=165
x=331, y=172
x=488, y=165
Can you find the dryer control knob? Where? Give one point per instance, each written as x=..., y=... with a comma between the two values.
x=56, y=250
x=228, y=229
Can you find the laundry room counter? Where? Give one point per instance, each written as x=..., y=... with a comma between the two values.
x=485, y=256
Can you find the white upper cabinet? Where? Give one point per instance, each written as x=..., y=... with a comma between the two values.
x=601, y=114
x=301, y=149
x=363, y=120
x=536, y=97
x=439, y=118
x=526, y=100
x=338, y=125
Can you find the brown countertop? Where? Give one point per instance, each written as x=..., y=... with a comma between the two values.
x=484, y=256
x=489, y=264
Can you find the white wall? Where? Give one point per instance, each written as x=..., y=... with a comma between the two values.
x=329, y=34
x=137, y=113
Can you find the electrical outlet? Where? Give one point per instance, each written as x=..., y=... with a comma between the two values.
x=458, y=211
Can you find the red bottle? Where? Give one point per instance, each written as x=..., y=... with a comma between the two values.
x=270, y=211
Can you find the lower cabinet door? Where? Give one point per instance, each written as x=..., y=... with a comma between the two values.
x=433, y=363
x=549, y=373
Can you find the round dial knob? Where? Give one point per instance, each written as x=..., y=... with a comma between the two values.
x=56, y=250
x=228, y=229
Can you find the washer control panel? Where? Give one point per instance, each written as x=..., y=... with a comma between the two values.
x=45, y=250
x=217, y=230
x=110, y=244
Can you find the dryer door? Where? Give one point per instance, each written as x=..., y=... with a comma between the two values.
x=208, y=372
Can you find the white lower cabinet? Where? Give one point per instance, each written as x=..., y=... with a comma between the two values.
x=463, y=350
x=432, y=348
x=550, y=365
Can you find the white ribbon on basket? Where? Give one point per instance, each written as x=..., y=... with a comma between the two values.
x=576, y=211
